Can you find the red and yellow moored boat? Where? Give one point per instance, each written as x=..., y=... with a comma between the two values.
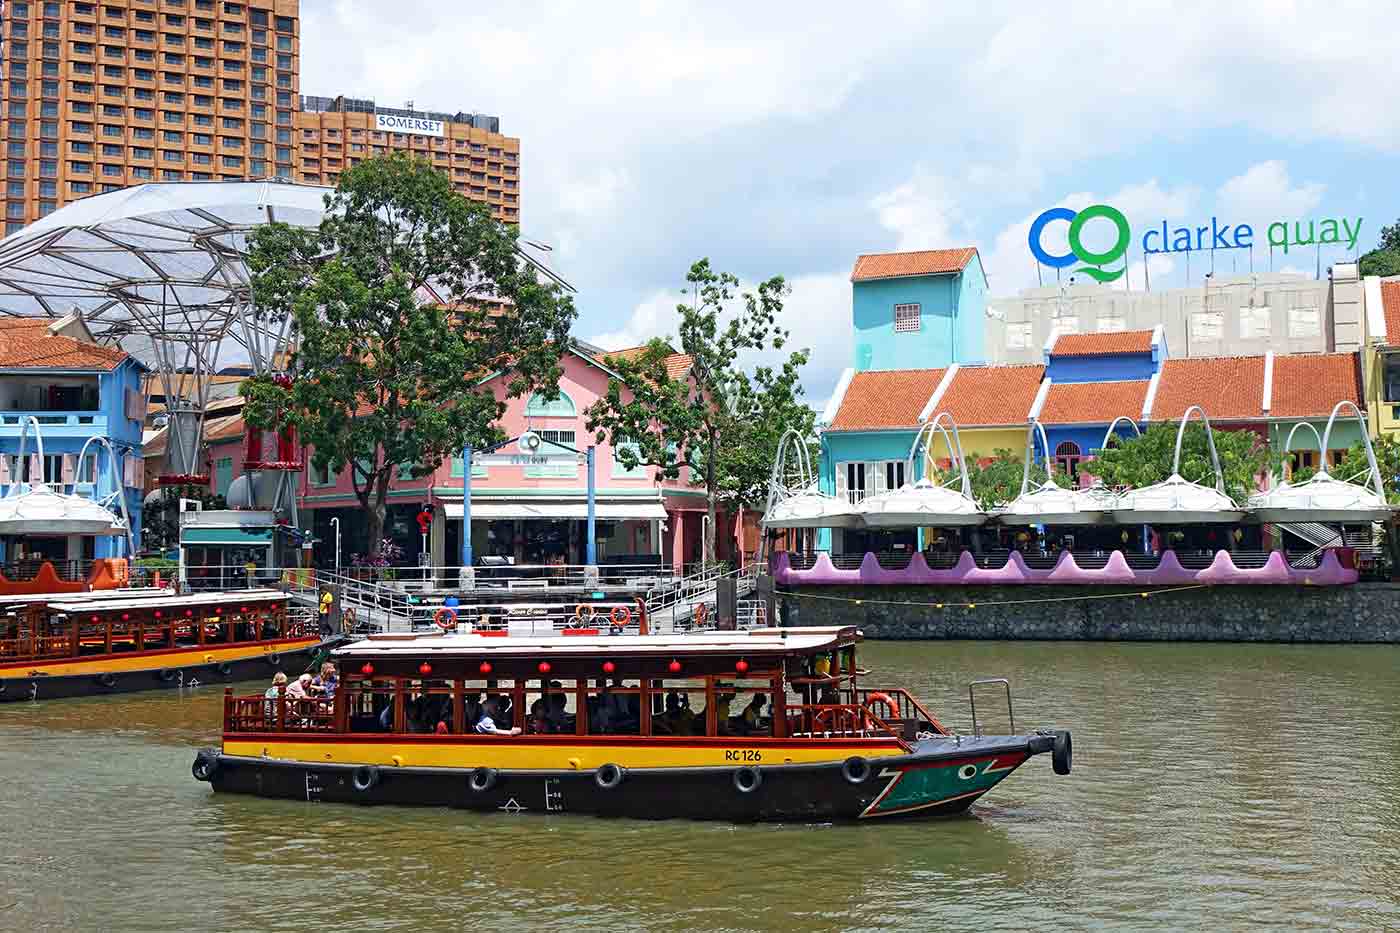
x=770, y=724
x=120, y=641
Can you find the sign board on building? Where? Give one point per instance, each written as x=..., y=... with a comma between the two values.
x=509, y=460
x=417, y=126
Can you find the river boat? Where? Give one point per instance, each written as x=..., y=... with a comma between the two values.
x=114, y=641
x=789, y=730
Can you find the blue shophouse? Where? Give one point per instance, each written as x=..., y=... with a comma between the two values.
x=54, y=371
x=918, y=310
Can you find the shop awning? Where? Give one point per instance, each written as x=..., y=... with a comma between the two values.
x=197, y=535
x=604, y=511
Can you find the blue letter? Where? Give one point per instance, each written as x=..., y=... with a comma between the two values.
x=1038, y=228
x=1244, y=236
x=1147, y=250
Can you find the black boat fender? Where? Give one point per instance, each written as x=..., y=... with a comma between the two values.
x=225, y=669
x=747, y=779
x=166, y=674
x=365, y=778
x=482, y=780
x=609, y=776
x=274, y=659
x=856, y=770
x=1062, y=755
x=107, y=679
x=205, y=766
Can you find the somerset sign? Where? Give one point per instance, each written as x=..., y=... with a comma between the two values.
x=416, y=126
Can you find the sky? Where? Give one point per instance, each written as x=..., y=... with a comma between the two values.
x=788, y=138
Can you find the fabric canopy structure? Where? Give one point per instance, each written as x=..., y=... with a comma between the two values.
x=606, y=511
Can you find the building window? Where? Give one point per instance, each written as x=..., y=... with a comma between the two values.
x=540, y=407
x=223, y=476
x=1207, y=325
x=1111, y=323
x=1254, y=323
x=1067, y=457
x=1392, y=377
x=906, y=318
x=1018, y=336
x=322, y=475
x=1304, y=322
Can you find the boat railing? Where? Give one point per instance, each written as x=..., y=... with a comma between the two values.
x=62, y=640
x=277, y=714
x=901, y=703
x=838, y=721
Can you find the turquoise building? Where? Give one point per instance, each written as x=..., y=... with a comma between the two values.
x=918, y=310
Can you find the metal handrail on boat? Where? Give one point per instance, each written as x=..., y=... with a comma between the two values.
x=972, y=701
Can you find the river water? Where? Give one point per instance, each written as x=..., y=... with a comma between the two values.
x=1215, y=787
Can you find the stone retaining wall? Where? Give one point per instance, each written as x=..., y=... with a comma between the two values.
x=1365, y=612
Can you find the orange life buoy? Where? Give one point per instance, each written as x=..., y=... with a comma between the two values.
x=445, y=618
x=584, y=612
x=885, y=699
x=702, y=612
x=620, y=615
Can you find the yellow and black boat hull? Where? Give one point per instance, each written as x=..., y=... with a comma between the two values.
x=155, y=670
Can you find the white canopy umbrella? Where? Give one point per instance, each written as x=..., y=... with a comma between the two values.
x=36, y=508
x=1176, y=500
x=794, y=501
x=925, y=503
x=1049, y=503
x=1324, y=498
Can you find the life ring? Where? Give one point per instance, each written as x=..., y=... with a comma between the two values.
x=747, y=779
x=702, y=612
x=856, y=770
x=365, y=778
x=347, y=620
x=820, y=719
x=885, y=699
x=620, y=615
x=206, y=765
x=609, y=776
x=107, y=679
x=584, y=613
x=482, y=780
x=445, y=618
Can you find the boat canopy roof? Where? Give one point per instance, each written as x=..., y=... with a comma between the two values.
x=782, y=642
x=29, y=599
x=79, y=604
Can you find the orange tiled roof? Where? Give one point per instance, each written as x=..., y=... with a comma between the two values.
x=217, y=430
x=991, y=395
x=923, y=262
x=886, y=399
x=25, y=343
x=1093, y=402
x=1309, y=385
x=1390, y=303
x=1124, y=341
x=1228, y=388
x=677, y=364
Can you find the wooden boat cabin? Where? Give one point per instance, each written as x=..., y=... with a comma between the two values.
x=120, y=641
x=762, y=724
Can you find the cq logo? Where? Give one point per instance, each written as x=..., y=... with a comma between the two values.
x=1093, y=262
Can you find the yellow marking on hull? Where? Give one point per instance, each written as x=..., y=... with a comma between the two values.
x=513, y=754
x=126, y=663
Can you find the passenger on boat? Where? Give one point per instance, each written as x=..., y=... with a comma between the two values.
x=325, y=683
x=300, y=689
x=486, y=724
x=279, y=682
x=753, y=714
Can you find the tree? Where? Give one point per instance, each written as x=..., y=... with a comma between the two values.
x=997, y=481
x=1385, y=258
x=386, y=376
x=1355, y=468
x=160, y=521
x=1142, y=461
x=715, y=421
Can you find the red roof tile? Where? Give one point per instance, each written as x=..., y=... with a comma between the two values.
x=886, y=399
x=1124, y=341
x=1309, y=385
x=25, y=343
x=1390, y=303
x=924, y=262
x=677, y=364
x=991, y=395
x=1093, y=402
x=1228, y=388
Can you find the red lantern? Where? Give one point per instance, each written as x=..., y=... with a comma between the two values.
x=158, y=613
x=544, y=667
x=189, y=612
x=609, y=667
x=741, y=666
x=485, y=667
x=674, y=667
x=367, y=669
x=425, y=668
x=245, y=608
x=126, y=617
x=94, y=618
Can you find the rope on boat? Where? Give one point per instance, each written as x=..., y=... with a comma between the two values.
x=1142, y=594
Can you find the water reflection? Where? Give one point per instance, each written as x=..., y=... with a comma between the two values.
x=1214, y=787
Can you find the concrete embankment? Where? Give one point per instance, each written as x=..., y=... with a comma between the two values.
x=1361, y=613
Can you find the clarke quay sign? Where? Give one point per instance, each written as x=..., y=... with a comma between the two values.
x=1161, y=239
x=417, y=126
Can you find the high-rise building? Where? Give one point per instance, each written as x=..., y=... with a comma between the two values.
x=334, y=133
x=100, y=95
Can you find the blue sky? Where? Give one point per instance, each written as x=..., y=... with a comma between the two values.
x=788, y=138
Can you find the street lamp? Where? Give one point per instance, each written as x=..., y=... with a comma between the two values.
x=335, y=520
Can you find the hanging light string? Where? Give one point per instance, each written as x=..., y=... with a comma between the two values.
x=1141, y=594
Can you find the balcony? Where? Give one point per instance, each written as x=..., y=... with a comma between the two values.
x=56, y=423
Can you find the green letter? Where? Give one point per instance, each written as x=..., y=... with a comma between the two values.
x=1281, y=238
x=1329, y=232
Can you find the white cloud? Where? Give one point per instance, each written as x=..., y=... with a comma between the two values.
x=921, y=212
x=1264, y=192
x=653, y=317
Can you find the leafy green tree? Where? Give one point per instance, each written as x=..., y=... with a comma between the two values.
x=998, y=481
x=160, y=521
x=716, y=422
x=386, y=377
x=1385, y=258
x=1355, y=468
x=1142, y=461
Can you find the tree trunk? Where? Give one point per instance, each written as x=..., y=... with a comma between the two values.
x=377, y=490
x=709, y=537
